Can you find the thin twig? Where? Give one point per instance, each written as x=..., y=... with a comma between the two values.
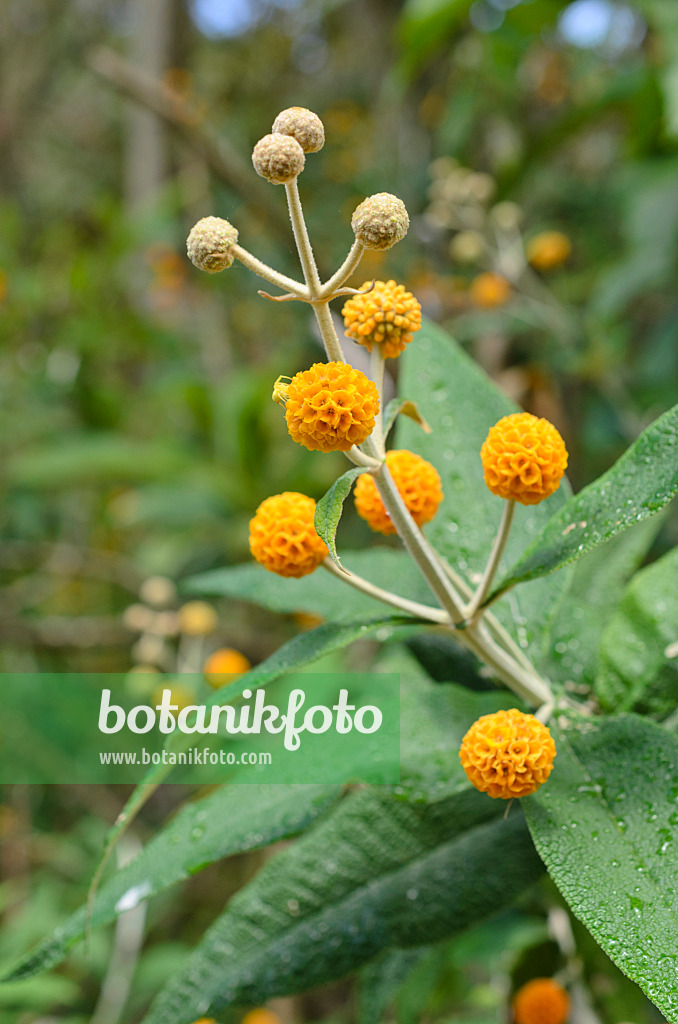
x=495, y=555
x=421, y=611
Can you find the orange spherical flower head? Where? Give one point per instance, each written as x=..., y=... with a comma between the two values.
x=385, y=315
x=329, y=407
x=548, y=250
x=418, y=483
x=524, y=458
x=541, y=1001
x=261, y=1016
x=225, y=666
x=490, y=290
x=507, y=754
x=282, y=535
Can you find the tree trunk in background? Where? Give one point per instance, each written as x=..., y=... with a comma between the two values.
x=150, y=49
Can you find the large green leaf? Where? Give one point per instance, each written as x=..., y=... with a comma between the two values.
x=461, y=403
x=381, y=981
x=231, y=820
x=639, y=484
x=376, y=872
x=638, y=664
x=605, y=826
x=95, y=460
x=597, y=587
x=319, y=593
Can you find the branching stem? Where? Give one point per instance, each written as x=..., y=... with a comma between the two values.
x=474, y=608
x=421, y=611
x=269, y=274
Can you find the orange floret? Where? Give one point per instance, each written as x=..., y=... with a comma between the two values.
x=548, y=250
x=224, y=666
x=507, y=754
x=541, y=1001
x=490, y=290
x=524, y=458
x=282, y=535
x=385, y=315
x=330, y=407
x=418, y=483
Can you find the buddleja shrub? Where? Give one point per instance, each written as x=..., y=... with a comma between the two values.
x=378, y=876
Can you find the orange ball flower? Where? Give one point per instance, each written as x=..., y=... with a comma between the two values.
x=261, y=1016
x=541, y=1001
x=282, y=535
x=490, y=290
x=524, y=458
x=418, y=483
x=330, y=407
x=225, y=666
x=548, y=250
x=507, y=754
x=385, y=315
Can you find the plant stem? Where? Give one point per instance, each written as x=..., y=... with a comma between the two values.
x=474, y=608
x=416, y=543
x=345, y=270
x=268, y=273
x=359, y=458
x=493, y=624
x=526, y=684
x=308, y=265
x=521, y=679
x=328, y=332
x=421, y=611
x=377, y=372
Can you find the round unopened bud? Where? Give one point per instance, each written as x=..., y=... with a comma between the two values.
x=380, y=221
x=278, y=158
x=210, y=244
x=303, y=125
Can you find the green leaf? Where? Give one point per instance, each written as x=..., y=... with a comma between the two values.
x=605, y=826
x=318, y=593
x=376, y=872
x=461, y=403
x=329, y=508
x=99, y=459
x=403, y=407
x=639, y=484
x=638, y=664
x=597, y=586
x=231, y=820
x=381, y=981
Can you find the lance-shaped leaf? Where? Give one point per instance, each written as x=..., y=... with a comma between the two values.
x=638, y=665
x=639, y=484
x=376, y=872
x=605, y=826
x=329, y=508
x=231, y=820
